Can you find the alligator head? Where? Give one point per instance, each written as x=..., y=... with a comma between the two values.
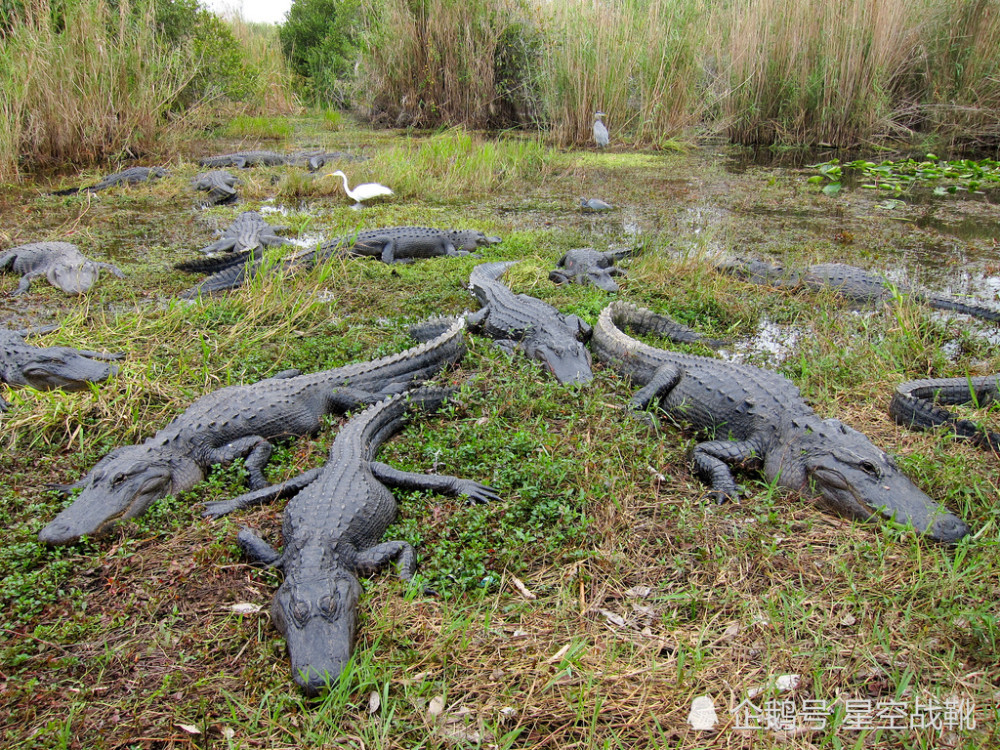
x=845, y=471
x=73, y=277
x=470, y=239
x=121, y=486
x=64, y=368
x=567, y=360
x=318, y=615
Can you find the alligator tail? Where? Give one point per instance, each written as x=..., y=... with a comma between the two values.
x=913, y=406
x=976, y=311
x=224, y=280
x=212, y=265
x=640, y=320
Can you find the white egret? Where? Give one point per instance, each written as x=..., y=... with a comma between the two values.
x=363, y=192
x=600, y=131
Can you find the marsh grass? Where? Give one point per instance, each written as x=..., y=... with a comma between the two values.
x=94, y=87
x=645, y=594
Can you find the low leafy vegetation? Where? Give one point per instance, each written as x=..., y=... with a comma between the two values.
x=899, y=177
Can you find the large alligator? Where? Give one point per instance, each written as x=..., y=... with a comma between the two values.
x=332, y=530
x=236, y=421
x=588, y=266
x=50, y=367
x=130, y=176
x=517, y=321
x=855, y=284
x=758, y=419
x=249, y=234
x=220, y=184
x=61, y=263
x=915, y=405
x=389, y=244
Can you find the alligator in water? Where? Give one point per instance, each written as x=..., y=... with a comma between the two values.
x=130, y=176
x=50, y=367
x=332, y=530
x=390, y=244
x=61, y=263
x=519, y=322
x=220, y=184
x=915, y=405
x=588, y=266
x=855, y=284
x=758, y=419
x=239, y=420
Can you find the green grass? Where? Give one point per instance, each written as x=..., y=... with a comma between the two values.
x=258, y=127
x=645, y=595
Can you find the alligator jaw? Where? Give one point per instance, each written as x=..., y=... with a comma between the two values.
x=569, y=364
x=116, y=490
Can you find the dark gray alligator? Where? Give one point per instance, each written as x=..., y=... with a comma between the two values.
x=758, y=419
x=389, y=244
x=318, y=158
x=588, y=266
x=915, y=405
x=220, y=184
x=50, y=367
x=332, y=530
x=248, y=234
x=851, y=282
x=242, y=159
x=517, y=321
x=130, y=176
x=61, y=263
x=239, y=420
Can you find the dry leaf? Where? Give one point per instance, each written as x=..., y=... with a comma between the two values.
x=189, y=728
x=612, y=619
x=638, y=592
x=522, y=589
x=435, y=707
x=558, y=655
x=374, y=702
x=245, y=608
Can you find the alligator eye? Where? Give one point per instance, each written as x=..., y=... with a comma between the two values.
x=118, y=479
x=870, y=468
x=300, y=610
x=328, y=606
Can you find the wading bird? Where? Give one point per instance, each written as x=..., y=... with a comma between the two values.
x=363, y=192
x=600, y=131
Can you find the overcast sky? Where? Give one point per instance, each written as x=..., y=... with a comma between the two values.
x=262, y=11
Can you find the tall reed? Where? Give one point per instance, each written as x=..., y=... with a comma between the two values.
x=638, y=61
x=432, y=62
x=816, y=71
x=84, y=82
x=274, y=89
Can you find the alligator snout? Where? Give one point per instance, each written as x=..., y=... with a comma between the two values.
x=948, y=529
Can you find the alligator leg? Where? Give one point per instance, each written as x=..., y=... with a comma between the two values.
x=664, y=380
x=25, y=285
x=389, y=252
x=583, y=329
x=110, y=267
x=712, y=461
x=256, y=450
x=219, y=508
x=559, y=277
x=256, y=548
x=375, y=558
x=443, y=484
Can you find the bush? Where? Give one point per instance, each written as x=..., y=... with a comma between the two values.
x=319, y=39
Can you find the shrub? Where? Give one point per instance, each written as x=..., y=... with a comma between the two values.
x=319, y=39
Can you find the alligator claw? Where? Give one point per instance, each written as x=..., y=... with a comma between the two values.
x=480, y=494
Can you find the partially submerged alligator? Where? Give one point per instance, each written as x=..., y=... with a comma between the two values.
x=915, y=405
x=236, y=421
x=61, y=263
x=758, y=419
x=220, y=184
x=586, y=265
x=389, y=244
x=520, y=322
x=855, y=284
x=130, y=176
x=332, y=530
x=50, y=367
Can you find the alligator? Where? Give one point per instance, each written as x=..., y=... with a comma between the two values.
x=220, y=184
x=517, y=321
x=130, y=176
x=332, y=530
x=586, y=265
x=594, y=205
x=50, y=367
x=758, y=419
x=317, y=158
x=61, y=263
x=235, y=421
x=915, y=405
x=389, y=244
x=242, y=159
x=248, y=235
x=853, y=283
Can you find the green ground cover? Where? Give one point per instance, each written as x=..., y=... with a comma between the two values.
x=603, y=594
